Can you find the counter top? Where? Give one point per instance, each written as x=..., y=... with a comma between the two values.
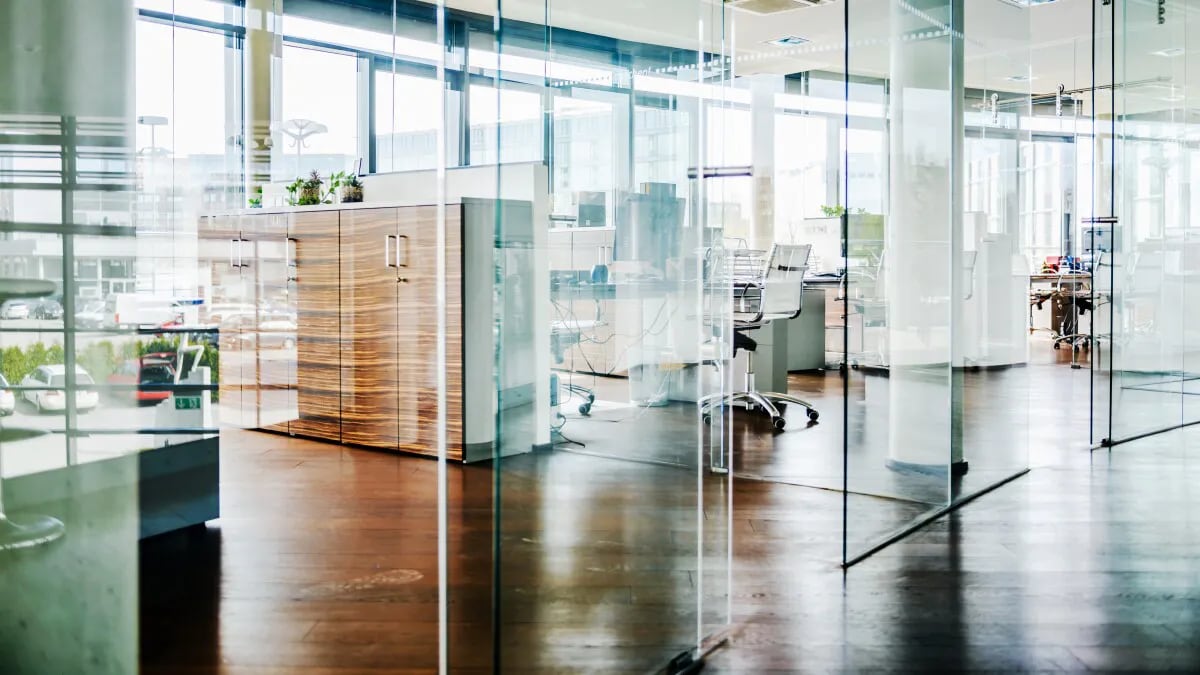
x=321, y=207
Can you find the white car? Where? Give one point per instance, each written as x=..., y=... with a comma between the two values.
x=14, y=309
x=8, y=402
x=54, y=398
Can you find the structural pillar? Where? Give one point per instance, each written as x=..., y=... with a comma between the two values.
x=762, y=124
x=262, y=89
x=923, y=234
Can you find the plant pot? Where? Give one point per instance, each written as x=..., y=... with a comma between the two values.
x=309, y=196
x=350, y=194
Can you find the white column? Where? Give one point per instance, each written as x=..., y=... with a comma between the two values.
x=262, y=80
x=923, y=231
x=762, y=124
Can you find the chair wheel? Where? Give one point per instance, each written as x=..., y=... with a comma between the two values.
x=585, y=408
x=779, y=423
x=813, y=415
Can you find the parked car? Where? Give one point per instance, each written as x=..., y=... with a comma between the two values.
x=47, y=310
x=55, y=399
x=150, y=369
x=278, y=333
x=14, y=309
x=8, y=402
x=241, y=333
x=95, y=314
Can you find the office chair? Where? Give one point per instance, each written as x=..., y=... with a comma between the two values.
x=563, y=334
x=777, y=289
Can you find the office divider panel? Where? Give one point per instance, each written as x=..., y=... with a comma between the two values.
x=1155, y=367
x=612, y=532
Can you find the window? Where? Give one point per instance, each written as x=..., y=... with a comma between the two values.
x=506, y=126
x=406, y=122
x=318, y=126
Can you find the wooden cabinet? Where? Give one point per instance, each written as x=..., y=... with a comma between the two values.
x=370, y=327
x=316, y=286
x=359, y=286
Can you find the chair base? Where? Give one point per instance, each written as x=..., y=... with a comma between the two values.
x=766, y=401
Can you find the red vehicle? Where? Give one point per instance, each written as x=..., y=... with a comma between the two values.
x=151, y=369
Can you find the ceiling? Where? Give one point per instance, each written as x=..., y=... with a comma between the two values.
x=1050, y=43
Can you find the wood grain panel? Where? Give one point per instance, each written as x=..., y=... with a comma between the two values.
x=366, y=357
x=317, y=292
x=418, y=353
x=370, y=331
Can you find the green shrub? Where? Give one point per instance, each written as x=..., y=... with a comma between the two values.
x=99, y=359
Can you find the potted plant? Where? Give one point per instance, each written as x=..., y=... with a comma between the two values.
x=293, y=188
x=310, y=190
x=348, y=187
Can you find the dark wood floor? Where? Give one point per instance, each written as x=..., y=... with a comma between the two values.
x=325, y=562
x=1092, y=564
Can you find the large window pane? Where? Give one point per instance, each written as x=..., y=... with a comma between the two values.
x=319, y=121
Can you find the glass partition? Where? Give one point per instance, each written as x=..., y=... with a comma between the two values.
x=70, y=472
x=613, y=520
x=903, y=432
x=1153, y=377
x=994, y=377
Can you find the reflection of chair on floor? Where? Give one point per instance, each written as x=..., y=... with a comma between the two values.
x=564, y=334
x=777, y=289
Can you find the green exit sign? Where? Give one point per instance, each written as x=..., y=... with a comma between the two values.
x=187, y=402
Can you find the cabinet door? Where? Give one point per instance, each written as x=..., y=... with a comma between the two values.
x=228, y=298
x=370, y=327
x=316, y=296
x=273, y=334
x=417, y=309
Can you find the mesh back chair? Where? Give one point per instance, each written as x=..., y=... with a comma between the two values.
x=773, y=291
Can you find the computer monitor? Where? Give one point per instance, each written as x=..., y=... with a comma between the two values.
x=647, y=228
x=590, y=209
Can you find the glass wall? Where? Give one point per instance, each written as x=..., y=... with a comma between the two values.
x=613, y=535
x=1153, y=368
x=69, y=468
x=938, y=389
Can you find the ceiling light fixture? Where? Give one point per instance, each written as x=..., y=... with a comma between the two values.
x=787, y=41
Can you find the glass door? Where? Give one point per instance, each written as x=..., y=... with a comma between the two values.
x=1154, y=371
x=938, y=390
x=612, y=527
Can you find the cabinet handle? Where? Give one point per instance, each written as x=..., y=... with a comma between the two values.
x=405, y=263
x=232, y=254
x=387, y=249
x=289, y=254
x=241, y=262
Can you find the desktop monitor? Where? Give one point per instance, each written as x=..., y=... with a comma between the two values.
x=590, y=209
x=647, y=229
